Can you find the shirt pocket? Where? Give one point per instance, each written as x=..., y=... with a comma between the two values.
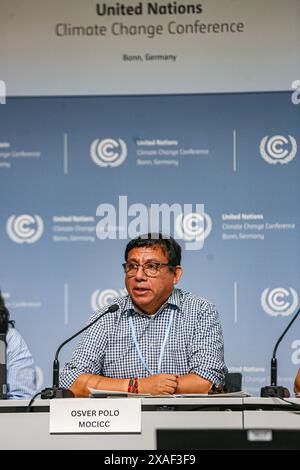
x=177, y=343
x=176, y=358
x=120, y=360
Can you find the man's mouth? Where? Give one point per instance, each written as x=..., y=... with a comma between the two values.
x=140, y=290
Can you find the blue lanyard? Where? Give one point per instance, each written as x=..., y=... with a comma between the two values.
x=162, y=349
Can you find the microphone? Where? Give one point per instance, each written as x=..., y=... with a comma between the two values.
x=56, y=391
x=275, y=390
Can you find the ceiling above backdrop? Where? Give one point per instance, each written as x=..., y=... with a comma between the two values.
x=72, y=47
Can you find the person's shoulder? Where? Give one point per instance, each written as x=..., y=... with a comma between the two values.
x=196, y=301
x=12, y=332
x=13, y=336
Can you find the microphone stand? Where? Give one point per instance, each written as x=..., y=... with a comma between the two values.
x=275, y=390
x=56, y=391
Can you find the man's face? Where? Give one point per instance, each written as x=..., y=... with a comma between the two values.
x=149, y=293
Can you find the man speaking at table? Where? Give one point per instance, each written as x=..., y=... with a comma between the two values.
x=161, y=340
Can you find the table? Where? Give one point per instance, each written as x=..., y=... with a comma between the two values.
x=22, y=430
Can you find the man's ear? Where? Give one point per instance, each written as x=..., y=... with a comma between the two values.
x=177, y=274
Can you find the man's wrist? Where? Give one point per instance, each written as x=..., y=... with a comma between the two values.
x=133, y=385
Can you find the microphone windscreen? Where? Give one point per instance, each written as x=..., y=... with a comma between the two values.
x=113, y=308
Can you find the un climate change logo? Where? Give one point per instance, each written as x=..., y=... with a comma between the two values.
x=193, y=227
x=279, y=301
x=278, y=149
x=101, y=298
x=25, y=228
x=108, y=152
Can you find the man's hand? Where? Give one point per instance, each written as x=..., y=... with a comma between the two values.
x=159, y=384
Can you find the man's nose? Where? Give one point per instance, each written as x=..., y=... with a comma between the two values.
x=140, y=273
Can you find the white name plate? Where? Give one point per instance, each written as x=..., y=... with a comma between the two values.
x=99, y=415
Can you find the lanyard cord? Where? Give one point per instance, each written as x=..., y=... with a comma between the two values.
x=162, y=349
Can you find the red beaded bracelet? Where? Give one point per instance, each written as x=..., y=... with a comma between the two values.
x=130, y=385
x=133, y=385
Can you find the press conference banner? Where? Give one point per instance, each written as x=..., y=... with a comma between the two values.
x=69, y=211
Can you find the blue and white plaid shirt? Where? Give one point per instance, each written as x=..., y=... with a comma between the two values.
x=195, y=343
x=21, y=376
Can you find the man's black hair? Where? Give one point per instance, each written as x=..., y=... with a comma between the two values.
x=169, y=246
x=4, y=316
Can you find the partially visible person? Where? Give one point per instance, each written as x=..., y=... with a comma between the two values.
x=161, y=340
x=21, y=376
x=297, y=382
